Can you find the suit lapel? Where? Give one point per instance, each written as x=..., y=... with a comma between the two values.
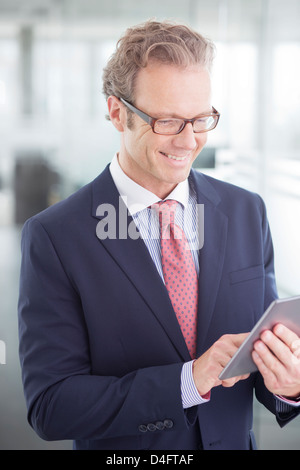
x=133, y=257
x=211, y=255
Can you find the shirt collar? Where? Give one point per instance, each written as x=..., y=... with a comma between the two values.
x=138, y=198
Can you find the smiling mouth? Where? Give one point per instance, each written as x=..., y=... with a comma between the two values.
x=173, y=157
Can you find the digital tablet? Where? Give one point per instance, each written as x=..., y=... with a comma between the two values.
x=285, y=311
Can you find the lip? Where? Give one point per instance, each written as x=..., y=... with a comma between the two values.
x=176, y=159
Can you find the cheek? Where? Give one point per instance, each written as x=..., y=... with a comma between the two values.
x=133, y=142
x=202, y=139
x=155, y=143
x=146, y=139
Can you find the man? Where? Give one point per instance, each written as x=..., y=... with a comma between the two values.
x=105, y=360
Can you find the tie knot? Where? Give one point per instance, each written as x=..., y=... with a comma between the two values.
x=166, y=210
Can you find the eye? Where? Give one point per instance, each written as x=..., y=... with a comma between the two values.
x=167, y=122
x=204, y=123
x=169, y=126
x=202, y=119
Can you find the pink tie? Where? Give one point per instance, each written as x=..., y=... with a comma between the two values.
x=179, y=273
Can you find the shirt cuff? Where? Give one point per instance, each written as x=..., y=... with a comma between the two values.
x=286, y=401
x=189, y=393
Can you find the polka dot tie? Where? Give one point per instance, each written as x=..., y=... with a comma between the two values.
x=179, y=273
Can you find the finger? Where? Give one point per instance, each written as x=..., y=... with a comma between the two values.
x=295, y=347
x=288, y=336
x=279, y=347
x=239, y=339
x=285, y=346
x=273, y=353
x=228, y=382
x=296, y=353
x=266, y=372
x=226, y=346
x=233, y=380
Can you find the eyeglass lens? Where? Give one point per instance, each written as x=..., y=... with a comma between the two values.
x=173, y=126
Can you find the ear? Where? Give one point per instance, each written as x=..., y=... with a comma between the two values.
x=117, y=113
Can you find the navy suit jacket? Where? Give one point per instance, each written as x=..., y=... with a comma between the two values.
x=100, y=347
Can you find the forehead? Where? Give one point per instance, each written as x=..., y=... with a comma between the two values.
x=164, y=89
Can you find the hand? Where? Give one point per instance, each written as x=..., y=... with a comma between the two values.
x=277, y=356
x=207, y=368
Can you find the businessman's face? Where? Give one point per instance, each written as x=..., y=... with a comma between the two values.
x=160, y=162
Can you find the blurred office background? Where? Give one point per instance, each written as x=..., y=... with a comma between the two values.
x=54, y=137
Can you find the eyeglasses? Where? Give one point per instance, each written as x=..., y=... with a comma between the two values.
x=172, y=126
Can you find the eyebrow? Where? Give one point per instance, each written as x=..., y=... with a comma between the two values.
x=177, y=116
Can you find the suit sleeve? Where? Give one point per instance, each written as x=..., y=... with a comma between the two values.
x=284, y=414
x=268, y=257
x=64, y=399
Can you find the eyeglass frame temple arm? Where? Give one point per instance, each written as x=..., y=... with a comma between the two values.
x=149, y=120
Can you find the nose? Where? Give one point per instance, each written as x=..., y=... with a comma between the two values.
x=186, y=138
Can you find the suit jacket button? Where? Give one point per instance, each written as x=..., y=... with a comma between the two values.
x=151, y=427
x=168, y=423
x=160, y=425
x=143, y=428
